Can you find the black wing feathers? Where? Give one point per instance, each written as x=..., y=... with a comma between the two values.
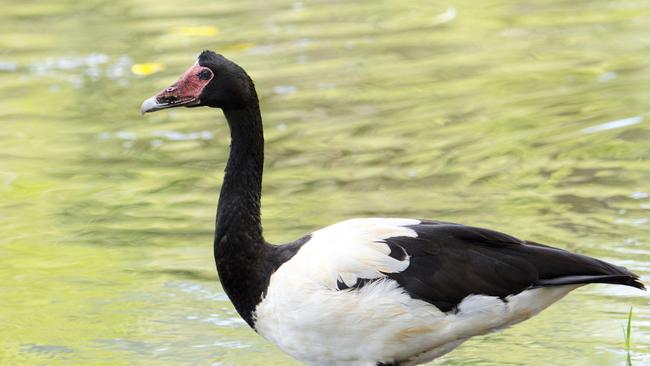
x=448, y=262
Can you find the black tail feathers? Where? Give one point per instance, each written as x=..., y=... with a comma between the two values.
x=626, y=280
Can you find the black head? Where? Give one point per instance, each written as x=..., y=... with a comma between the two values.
x=213, y=81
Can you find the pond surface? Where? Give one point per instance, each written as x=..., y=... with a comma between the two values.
x=528, y=117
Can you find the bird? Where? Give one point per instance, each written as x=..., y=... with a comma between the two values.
x=365, y=291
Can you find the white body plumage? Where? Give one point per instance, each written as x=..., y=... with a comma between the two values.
x=308, y=317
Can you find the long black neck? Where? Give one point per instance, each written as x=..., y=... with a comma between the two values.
x=239, y=247
x=238, y=213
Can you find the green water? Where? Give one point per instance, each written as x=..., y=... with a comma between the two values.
x=528, y=117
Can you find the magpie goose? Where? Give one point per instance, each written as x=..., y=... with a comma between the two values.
x=373, y=291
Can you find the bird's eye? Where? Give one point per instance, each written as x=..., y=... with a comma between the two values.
x=205, y=75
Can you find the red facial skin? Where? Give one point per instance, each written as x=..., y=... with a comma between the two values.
x=187, y=89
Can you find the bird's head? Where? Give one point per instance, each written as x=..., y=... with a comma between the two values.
x=213, y=81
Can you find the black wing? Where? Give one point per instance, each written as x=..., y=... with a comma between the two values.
x=448, y=262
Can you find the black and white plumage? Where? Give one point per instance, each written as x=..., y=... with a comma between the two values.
x=375, y=291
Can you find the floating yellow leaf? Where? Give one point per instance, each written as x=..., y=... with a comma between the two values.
x=197, y=31
x=147, y=68
x=238, y=47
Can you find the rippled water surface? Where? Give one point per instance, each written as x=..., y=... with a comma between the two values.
x=528, y=117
